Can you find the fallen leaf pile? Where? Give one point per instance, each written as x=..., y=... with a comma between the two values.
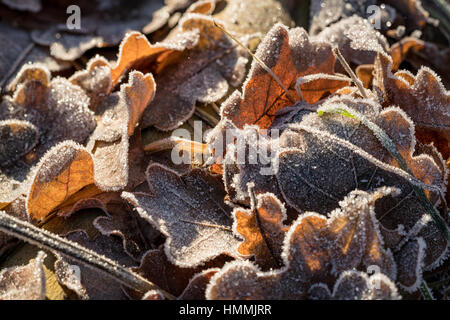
x=333, y=183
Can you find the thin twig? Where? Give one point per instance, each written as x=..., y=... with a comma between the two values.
x=262, y=64
x=215, y=107
x=209, y=225
x=205, y=116
x=50, y=241
x=182, y=144
x=359, y=84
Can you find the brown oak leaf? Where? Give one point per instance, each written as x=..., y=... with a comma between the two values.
x=422, y=97
x=64, y=170
x=290, y=54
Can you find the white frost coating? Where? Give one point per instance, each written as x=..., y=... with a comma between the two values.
x=67, y=275
x=244, y=279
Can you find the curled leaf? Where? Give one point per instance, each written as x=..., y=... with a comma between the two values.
x=118, y=113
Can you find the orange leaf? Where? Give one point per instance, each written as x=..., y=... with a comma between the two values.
x=64, y=170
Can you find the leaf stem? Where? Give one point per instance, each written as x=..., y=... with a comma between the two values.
x=50, y=241
x=260, y=62
x=340, y=57
x=426, y=291
x=205, y=116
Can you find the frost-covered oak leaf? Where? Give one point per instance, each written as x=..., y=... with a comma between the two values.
x=422, y=96
x=243, y=160
x=311, y=247
x=324, y=157
x=290, y=54
x=190, y=211
x=24, y=282
x=422, y=53
x=41, y=113
x=410, y=262
x=263, y=230
x=137, y=52
x=354, y=234
x=325, y=12
x=204, y=73
x=123, y=222
x=17, y=138
x=359, y=161
x=318, y=160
